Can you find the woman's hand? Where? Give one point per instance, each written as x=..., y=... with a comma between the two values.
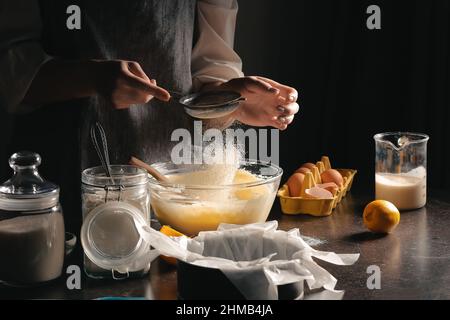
x=268, y=103
x=124, y=83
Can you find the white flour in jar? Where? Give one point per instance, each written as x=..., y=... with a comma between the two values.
x=31, y=248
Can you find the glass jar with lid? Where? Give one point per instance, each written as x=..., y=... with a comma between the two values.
x=113, y=209
x=31, y=225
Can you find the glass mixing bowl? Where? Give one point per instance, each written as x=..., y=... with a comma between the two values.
x=191, y=208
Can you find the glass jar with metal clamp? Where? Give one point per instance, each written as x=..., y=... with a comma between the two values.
x=113, y=208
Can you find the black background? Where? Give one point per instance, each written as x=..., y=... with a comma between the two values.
x=353, y=82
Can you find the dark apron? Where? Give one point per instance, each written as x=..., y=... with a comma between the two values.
x=156, y=33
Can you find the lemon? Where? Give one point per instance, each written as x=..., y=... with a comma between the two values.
x=168, y=231
x=381, y=216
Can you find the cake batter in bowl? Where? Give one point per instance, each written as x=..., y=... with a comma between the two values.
x=195, y=199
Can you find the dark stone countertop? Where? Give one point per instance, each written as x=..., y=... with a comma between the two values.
x=414, y=260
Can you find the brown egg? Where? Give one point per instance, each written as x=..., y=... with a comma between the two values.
x=303, y=170
x=309, y=165
x=294, y=184
x=332, y=175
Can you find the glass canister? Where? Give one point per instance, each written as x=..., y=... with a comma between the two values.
x=31, y=225
x=401, y=169
x=112, y=208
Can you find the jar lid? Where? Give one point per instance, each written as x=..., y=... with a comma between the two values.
x=27, y=190
x=110, y=237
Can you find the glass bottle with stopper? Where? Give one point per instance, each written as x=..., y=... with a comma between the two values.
x=32, y=235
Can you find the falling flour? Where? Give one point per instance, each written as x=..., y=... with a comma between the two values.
x=219, y=168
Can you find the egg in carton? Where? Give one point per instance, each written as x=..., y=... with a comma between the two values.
x=312, y=200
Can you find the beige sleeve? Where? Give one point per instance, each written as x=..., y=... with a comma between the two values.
x=213, y=57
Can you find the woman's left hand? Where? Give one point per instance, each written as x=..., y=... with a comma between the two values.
x=268, y=103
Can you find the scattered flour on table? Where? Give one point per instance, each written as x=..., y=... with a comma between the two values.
x=313, y=242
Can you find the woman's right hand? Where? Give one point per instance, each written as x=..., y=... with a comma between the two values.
x=124, y=83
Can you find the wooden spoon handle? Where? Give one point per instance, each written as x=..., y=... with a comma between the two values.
x=155, y=173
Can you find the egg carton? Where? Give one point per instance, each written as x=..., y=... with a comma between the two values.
x=314, y=206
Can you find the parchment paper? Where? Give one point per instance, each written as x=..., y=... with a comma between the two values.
x=256, y=258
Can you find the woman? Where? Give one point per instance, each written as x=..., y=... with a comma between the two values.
x=117, y=69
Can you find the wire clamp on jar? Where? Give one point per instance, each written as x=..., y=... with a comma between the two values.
x=118, y=189
x=116, y=275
